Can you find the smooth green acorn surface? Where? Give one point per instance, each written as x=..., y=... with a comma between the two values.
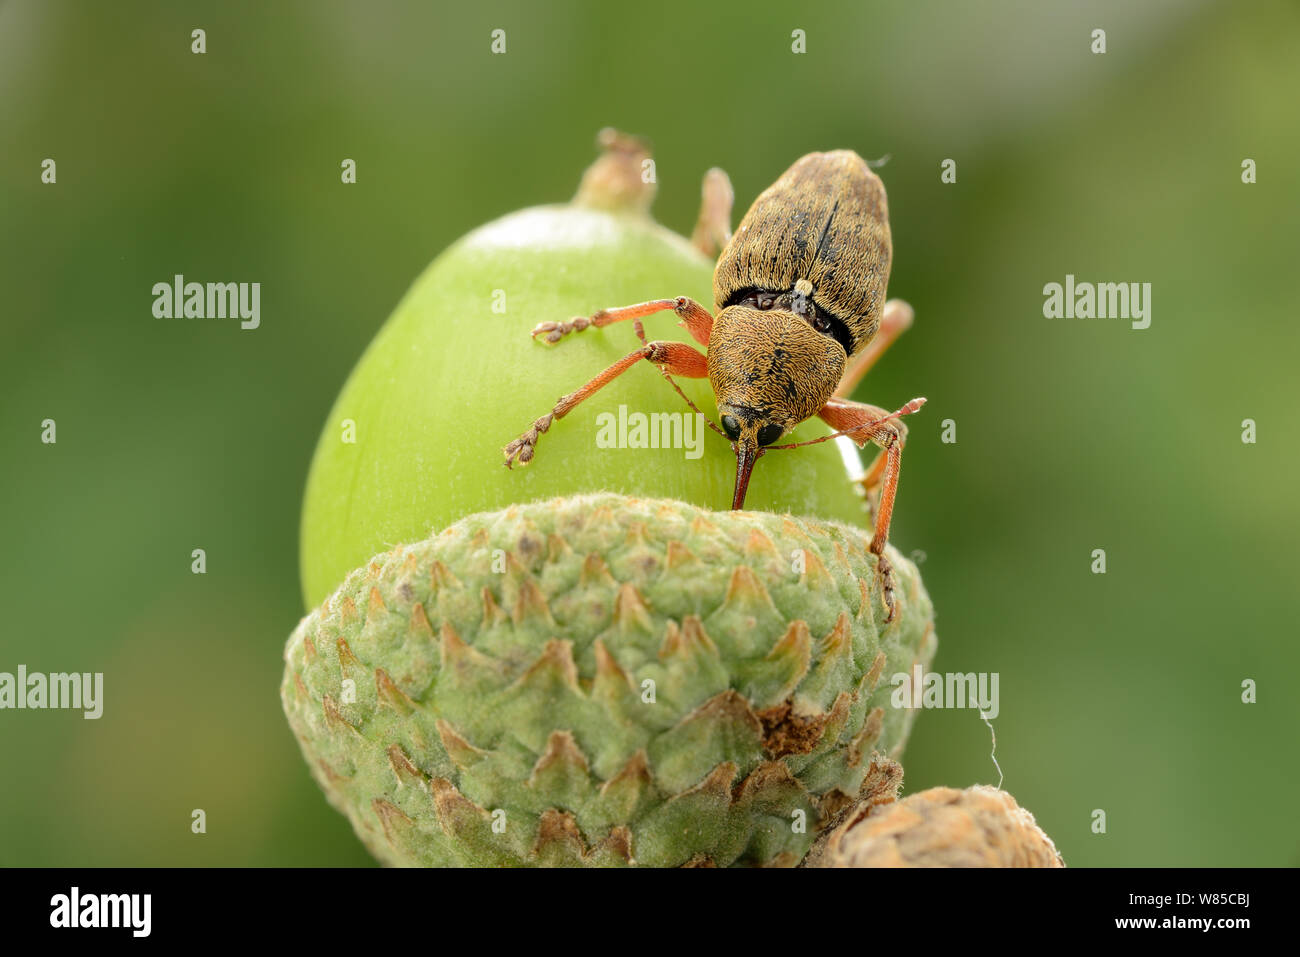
x=607, y=681
x=449, y=381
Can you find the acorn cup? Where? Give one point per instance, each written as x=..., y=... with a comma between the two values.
x=603, y=680
x=941, y=827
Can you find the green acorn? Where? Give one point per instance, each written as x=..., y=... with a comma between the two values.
x=603, y=680
x=414, y=440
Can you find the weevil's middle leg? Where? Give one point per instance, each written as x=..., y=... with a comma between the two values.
x=697, y=320
x=870, y=423
x=675, y=358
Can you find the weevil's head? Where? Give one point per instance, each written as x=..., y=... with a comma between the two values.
x=770, y=369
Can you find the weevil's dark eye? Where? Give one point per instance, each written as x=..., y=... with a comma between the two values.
x=769, y=434
x=763, y=299
x=731, y=427
x=821, y=323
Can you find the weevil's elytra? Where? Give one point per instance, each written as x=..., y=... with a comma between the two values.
x=826, y=222
x=799, y=297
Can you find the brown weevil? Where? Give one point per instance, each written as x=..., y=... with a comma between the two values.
x=800, y=316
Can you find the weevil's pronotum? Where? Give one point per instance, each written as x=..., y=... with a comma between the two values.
x=799, y=297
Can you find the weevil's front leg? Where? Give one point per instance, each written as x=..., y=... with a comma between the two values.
x=713, y=228
x=675, y=358
x=895, y=320
x=870, y=423
x=697, y=320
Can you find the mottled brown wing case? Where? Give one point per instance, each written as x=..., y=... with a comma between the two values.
x=825, y=220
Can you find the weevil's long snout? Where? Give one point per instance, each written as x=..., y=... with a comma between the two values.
x=747, y=453
x=749, y=430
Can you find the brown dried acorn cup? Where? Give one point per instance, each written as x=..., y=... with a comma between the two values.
x=980, y=826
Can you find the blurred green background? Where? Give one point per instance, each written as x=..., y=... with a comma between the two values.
x=1118, y=692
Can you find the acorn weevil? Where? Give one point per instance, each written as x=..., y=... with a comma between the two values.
x=799, y=296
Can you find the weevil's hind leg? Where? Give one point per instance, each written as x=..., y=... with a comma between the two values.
x=870, y=423
x=894, y=321
x=871, y=479
x=697, y=320
x=713, y=228
x=676, y=358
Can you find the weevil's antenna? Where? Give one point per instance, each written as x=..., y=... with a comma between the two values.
x=707, y=421
x=905, y=410
x=824, y=438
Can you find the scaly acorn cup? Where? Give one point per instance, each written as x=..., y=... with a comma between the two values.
x=943, y=827
x=603, y=680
